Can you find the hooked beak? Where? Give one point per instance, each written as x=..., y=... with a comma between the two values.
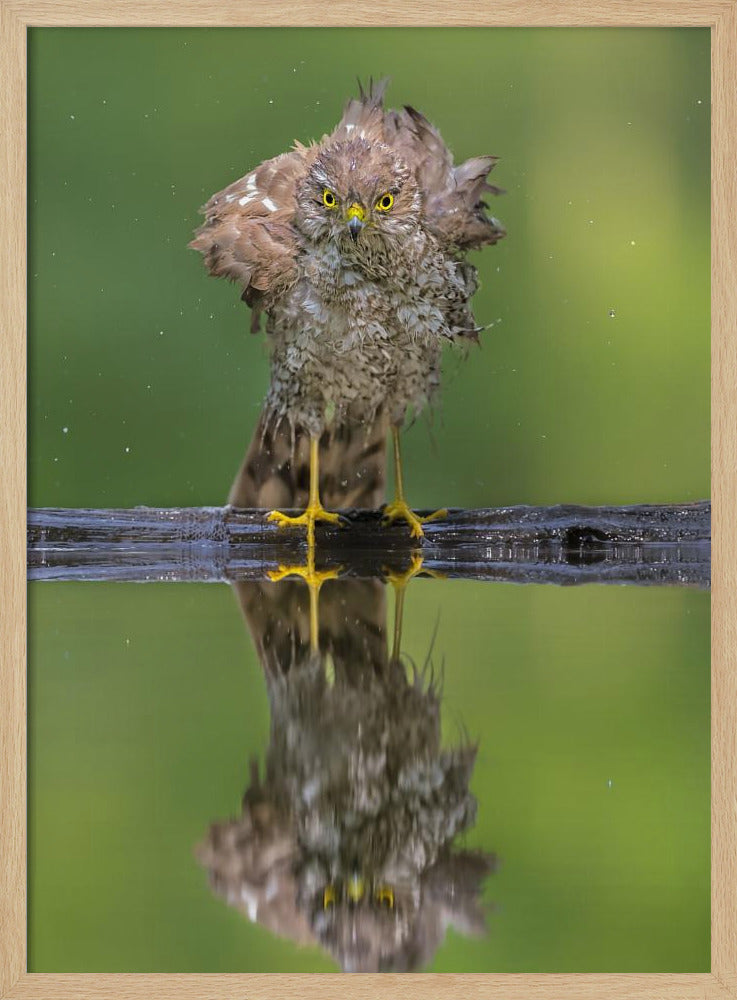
x=354, y=227
x=355, y=216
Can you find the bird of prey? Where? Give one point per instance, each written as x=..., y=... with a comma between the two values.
x=354, y=249
x=349, y=838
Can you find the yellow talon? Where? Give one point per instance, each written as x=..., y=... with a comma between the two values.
x=398, y=509
x=314, y=510
x=311, y=514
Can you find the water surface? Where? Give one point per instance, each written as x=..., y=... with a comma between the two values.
x=589, y=707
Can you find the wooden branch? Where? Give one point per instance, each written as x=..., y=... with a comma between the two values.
x=645, y=544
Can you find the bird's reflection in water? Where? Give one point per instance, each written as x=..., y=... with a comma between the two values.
x=348, y=838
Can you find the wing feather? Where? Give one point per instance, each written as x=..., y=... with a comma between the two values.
x=248, y=236
x=454, y=205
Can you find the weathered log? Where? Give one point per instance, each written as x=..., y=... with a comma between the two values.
x=568, y=544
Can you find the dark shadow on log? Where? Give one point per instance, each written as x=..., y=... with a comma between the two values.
x=667, y=544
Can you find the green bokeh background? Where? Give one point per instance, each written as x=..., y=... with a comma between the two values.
x=592, y=386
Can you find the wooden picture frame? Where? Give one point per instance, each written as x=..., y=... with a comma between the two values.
x=16, y=16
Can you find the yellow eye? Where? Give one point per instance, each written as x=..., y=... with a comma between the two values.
x=384, y=895
x=328, y=198
x=385, y=202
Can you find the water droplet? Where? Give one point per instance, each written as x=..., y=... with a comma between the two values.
x=611, y=314
x=65, y=430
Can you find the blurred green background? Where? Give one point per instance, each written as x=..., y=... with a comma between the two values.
x=592, y=386
x=604, y=143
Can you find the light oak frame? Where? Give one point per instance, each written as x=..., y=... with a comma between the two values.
x=16, y=16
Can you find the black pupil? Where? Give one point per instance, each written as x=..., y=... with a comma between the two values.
x=386, y=201
x=329, y=198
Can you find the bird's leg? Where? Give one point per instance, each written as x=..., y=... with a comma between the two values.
x=398, y=507
x=399, y=581
x=312, y=513
x=314, y=580
x=314, y=510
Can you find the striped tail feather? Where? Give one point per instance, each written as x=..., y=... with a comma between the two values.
x=276, y=470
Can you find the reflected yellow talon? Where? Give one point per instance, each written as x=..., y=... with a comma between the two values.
x=398, y=509
x=384, y=894
x=312, y=577
x=400, y=580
